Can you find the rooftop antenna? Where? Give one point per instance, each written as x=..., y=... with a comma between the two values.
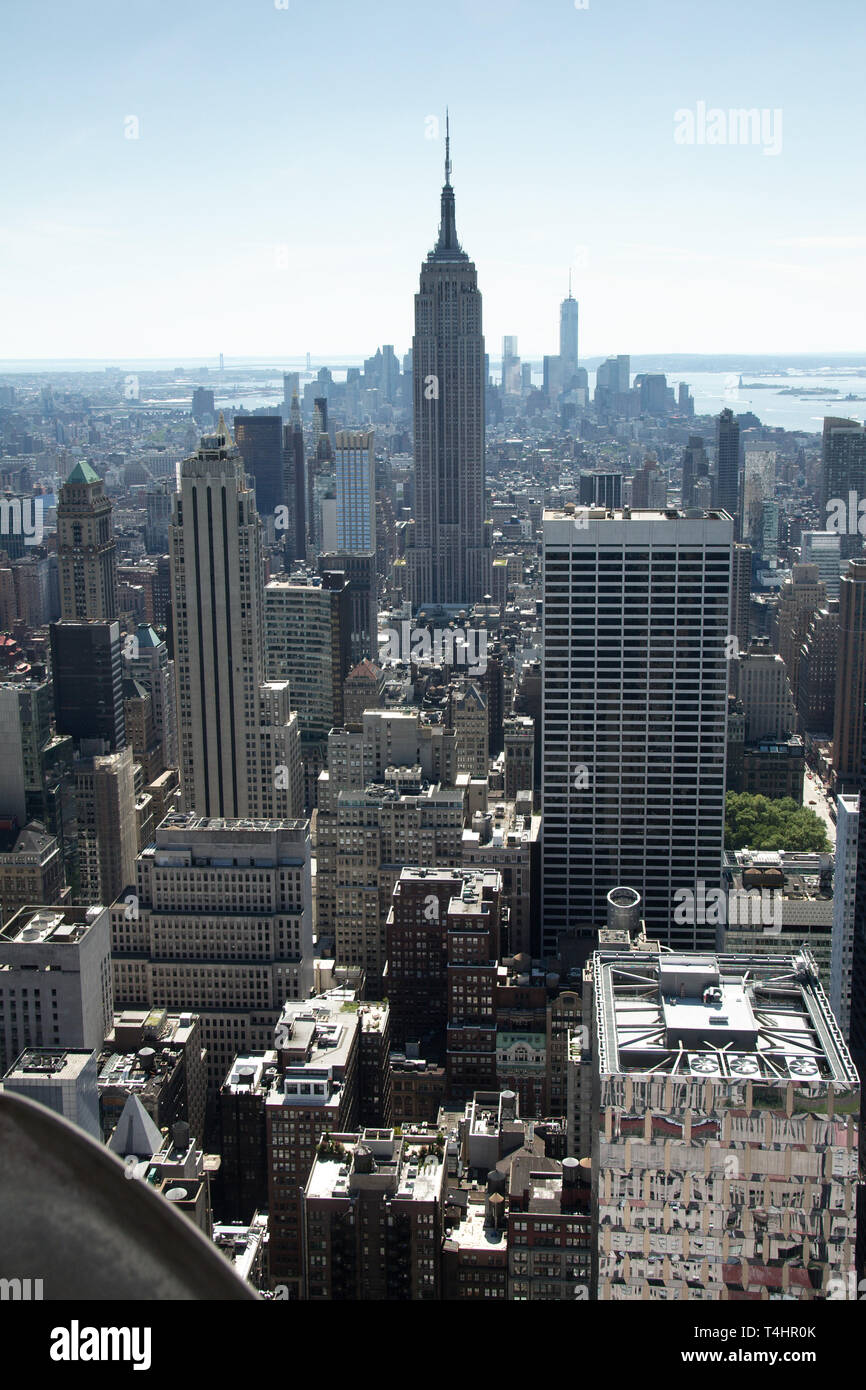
x=447, y=149
x=569, y=282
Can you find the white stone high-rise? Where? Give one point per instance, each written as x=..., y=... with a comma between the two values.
x=238, y=739
x=450, y=558
x=636, y=612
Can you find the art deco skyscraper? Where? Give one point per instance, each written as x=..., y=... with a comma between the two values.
x=238, y=739
x=450, y=559
x=86, y=548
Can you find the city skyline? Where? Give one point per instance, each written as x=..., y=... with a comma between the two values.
x=117, y=245
x=431, y=855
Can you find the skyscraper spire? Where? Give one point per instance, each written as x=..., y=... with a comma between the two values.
x=448, y=247
x=569, y=282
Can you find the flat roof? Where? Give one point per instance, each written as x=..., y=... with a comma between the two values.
x=49, y=1064
x=718, y=1016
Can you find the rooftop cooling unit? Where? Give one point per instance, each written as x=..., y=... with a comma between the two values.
x=744, y=1066
x=704, y=1064
x=803, y=1068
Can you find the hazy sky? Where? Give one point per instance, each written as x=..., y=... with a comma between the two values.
x=282, y=190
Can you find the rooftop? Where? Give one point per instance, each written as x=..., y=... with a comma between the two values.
x=374, y=1160
x=83, y=473
x=475, y=1232
x=731, y=1017
x=64, y=926
x=49, y=1063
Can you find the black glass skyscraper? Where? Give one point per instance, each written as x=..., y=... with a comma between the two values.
x=259, y=438
x=728, y=464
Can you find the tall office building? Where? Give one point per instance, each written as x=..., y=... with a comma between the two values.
x=450, y=559
x=824, y=549
x=741, y=593
x=307, y=621
x=843, y=473
x=291, y=387
x=510, y=366
x=695, y=465
x=87, y=667
x=259, y=439
x=818, y=666
x=356, y=492
x=844, y=902
x=202, y=408
x=799, y=597
x=148, y=663
x=725, y=1149
x=362, y=578
x=759, y=485
x=158, y=500
x=728, y=464
x=238, y=739
x=614, y=374
x=108, y=825
x=568, y=314
x=849, y=725
x=601, y=488
x=295, y=485
x=760, y=678
x=636, y=612
x=86, y=548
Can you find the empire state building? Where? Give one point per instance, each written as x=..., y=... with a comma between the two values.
x=450, y=558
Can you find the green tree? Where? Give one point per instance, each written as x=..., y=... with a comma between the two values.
x=757, y=822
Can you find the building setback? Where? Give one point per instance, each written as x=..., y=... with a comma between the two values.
x=220, y=922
